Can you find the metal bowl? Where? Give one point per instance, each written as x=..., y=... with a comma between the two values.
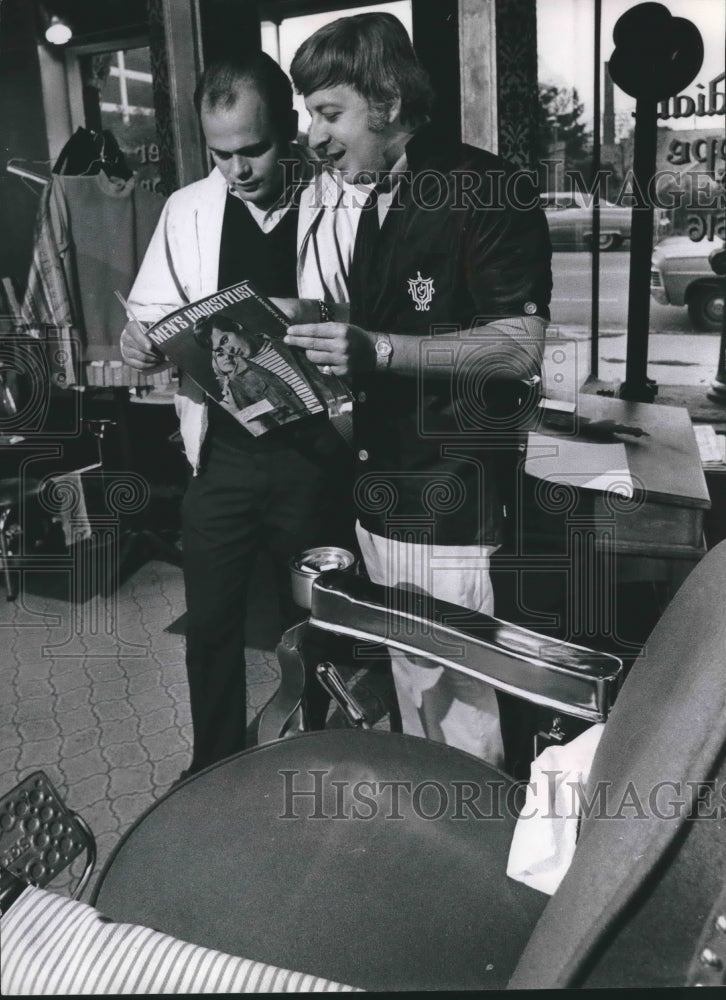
x=307, y=567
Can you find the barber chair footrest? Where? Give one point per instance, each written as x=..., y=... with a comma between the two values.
x=40, y=836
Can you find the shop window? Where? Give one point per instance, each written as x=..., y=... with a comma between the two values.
x=689, y=169
x=126, y=106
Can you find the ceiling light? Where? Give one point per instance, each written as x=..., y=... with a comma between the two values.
x=58, y=32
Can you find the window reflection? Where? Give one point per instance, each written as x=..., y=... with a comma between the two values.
x=127, y=110
x=691, y=160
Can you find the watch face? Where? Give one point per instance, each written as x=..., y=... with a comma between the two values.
x=383, y=348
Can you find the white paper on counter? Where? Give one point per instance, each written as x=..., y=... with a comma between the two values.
x=591, y=465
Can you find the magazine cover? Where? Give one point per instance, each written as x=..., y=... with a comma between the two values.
x=231, y=344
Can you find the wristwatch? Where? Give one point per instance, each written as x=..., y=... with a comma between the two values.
x=384, y=352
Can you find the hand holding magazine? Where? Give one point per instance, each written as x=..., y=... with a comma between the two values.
x=231, y=344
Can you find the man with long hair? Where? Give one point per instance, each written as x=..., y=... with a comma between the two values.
x=450, y=286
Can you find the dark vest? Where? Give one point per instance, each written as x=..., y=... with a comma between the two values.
x=268, y=260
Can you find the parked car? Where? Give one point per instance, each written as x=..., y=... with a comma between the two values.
x=569, y=215
x=682, y=276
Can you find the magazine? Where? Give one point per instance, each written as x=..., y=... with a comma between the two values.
x=231, y=344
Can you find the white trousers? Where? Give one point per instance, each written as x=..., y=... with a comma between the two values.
x=436, y=702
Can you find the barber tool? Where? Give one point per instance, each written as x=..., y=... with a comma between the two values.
x=605, y=430
x=593, y=430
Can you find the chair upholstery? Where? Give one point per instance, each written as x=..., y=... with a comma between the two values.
x=668, y=724
x=381, y=903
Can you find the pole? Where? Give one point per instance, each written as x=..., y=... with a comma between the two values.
x=595, y=244
x=637, y=387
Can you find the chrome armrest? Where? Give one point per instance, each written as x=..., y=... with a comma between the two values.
x=548, y=672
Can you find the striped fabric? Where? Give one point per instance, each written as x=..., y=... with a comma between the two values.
x=269, y=358
x=54, y=946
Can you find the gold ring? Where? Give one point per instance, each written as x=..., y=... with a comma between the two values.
x=326, y=370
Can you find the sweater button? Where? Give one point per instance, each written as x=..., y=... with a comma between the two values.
x=363, y=455
x=362, y=397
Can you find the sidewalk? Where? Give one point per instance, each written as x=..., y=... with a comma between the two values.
x=683, y=365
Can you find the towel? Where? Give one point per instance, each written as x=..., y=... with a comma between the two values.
x=545, y=836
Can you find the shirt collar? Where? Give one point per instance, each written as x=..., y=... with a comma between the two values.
x=266, y=218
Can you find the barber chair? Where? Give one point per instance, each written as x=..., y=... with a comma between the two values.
x=423, y=902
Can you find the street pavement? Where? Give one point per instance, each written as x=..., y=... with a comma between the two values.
x=572, y=281
x=677, y=354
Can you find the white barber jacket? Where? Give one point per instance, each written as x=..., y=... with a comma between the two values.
x=182, y=262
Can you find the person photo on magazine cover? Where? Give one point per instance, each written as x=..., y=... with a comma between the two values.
x=246, y=385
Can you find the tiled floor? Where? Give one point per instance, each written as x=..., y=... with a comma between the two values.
x=100, y=702
x=95, y=694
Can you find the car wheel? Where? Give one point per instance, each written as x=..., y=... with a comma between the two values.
x=606, y=241
x=609, y=241
x=705, y=308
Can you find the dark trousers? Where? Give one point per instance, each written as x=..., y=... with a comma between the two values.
x=272, y=498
